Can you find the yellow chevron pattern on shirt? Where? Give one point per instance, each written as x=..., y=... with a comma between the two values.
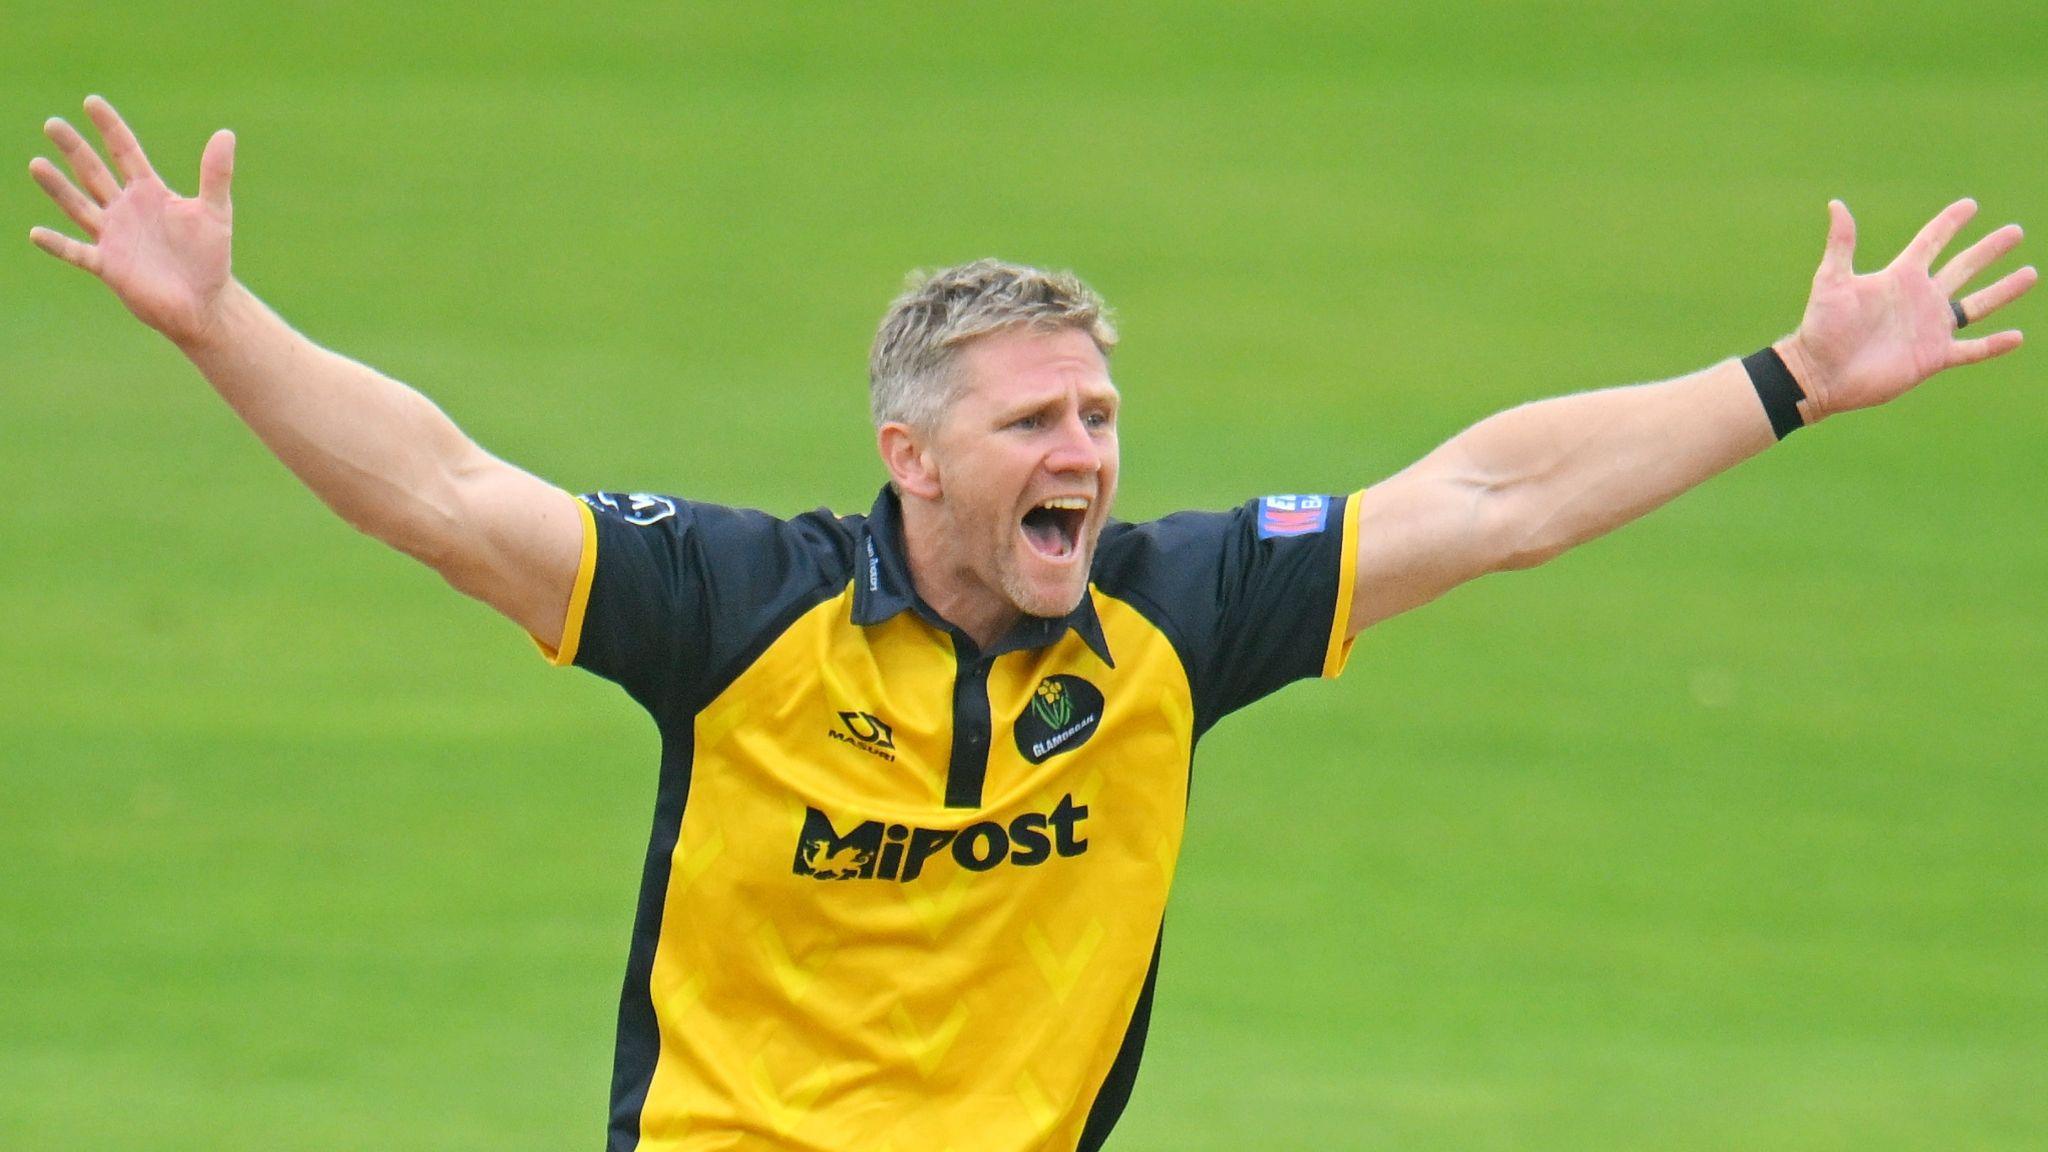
x=995, y=999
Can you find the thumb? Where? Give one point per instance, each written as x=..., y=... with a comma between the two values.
x=216, y=171
x=1839, y=259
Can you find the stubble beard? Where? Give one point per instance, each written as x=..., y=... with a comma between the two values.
x=1036, y=600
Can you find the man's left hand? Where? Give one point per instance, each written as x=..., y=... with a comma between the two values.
x=1867, y=339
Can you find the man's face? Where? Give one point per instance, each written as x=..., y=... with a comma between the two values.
x=1027, y=459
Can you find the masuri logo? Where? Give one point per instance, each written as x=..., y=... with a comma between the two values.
x=869, y=728
x=869, y=733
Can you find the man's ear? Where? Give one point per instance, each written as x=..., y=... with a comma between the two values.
x=907, y=454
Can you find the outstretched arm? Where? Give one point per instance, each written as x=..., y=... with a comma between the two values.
x=1523, y=486
x=378, y=453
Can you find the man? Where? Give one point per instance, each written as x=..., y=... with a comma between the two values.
x=924, y=770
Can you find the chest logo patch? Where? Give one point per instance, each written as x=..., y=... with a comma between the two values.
x=865, y=731
x=1064, y=712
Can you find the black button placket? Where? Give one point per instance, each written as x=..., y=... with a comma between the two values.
x=968, y=769
x=888, y=589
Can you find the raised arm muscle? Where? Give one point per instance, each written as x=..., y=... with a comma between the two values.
x=389, y=462
x=1525, y=485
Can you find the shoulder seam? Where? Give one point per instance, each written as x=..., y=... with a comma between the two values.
x=1151, y=610
x=797, y=609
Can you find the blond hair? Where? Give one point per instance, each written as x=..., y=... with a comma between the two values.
x=910, y=369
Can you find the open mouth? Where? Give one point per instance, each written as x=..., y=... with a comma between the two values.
x=1054, y=527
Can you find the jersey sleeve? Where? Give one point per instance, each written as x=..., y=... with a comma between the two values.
x=1254, y=598
x=672, y=594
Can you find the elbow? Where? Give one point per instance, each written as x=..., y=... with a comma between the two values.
x=1530, y=547
x=1519, y=531
x=1522, y=559
x=429, y=539
x=424, y=523
x=422, y=536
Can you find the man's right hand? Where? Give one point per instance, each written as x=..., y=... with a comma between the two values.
x=381, y=455
x=166, y=256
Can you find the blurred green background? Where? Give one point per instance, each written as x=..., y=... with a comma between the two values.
x=1730, y=831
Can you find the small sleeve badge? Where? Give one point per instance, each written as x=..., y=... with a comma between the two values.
x=639, y=508
x=1292, y=515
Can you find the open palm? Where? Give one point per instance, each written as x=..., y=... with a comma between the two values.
x=1867, y=339
x=167, y=257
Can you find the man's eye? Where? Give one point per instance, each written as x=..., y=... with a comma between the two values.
x=1026, y=423
x=1100, y=420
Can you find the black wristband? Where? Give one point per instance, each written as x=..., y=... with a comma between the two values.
x=1775, y=386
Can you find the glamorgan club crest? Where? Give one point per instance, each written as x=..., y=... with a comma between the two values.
x=1064, y=712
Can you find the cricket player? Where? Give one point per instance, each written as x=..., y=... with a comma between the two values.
x=924, y=769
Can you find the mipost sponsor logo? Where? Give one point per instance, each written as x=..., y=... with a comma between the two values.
x=872, y=850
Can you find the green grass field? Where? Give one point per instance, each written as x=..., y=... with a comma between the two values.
x=1729, y=831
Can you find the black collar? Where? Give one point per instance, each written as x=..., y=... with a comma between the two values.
x=882, y=588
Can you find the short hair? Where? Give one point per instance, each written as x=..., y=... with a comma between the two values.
x=910, y=370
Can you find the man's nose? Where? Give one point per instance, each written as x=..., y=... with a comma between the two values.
x=1076, y=450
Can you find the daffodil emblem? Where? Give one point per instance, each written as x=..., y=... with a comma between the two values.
x=1052, y=704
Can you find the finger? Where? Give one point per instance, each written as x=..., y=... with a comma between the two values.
x=1983, y=348
x=1840, y=257
x=121, y=144
x=82, y=211
x=1977, y=257
x=216, y=171
x=1938, y=232
x=1978, y=305
x=72, y=252
x=85, y=163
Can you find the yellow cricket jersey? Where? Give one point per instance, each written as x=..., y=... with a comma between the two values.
x=902, y=892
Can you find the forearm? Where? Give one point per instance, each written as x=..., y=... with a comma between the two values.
x=378, y=453
x=1559, y=472
x=381, y=455
x=1516, y=489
